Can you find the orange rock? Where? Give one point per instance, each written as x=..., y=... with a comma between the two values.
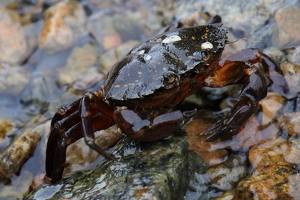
x=64, y=22
x=198, y=144
x=270, y=182
x=275, y=151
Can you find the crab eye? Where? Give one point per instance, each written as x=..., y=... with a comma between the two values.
x=170, y=78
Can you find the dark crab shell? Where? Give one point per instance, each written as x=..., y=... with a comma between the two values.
x=141, y=72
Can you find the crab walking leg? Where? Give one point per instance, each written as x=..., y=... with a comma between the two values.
x=144, y=129
x=64, y=118
x=58, y=156
x=86, y=122
x=64, y=111
x=89, y=103
x=255, y=89
x=251, y=55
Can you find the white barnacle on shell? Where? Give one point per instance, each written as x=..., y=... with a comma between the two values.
x=141, y=52
x=172, y=38
x=206, y=45
x=147, y=57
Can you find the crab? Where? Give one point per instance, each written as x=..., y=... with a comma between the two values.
x=143, y=87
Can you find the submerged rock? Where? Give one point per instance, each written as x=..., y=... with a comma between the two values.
x=156, y=170
x=270, y=182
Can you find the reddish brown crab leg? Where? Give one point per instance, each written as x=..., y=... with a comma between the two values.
x=255, y=87
x=64, y=111
x=144, y=129
x=251, y=55
x=88, y=127
x=86, y=122
x=58, y=157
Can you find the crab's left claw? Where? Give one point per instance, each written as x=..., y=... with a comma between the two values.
x=240, y=68
x=218, y=130
x=233, y=122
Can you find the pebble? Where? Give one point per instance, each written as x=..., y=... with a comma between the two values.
x=270, y=182
x=287, y=26
x=226, y=175
x=13, y=79
x=291, y=72
x=64, y=23
x=80, y=60
x=198, y=144
x=13, y=46
x=275, y=151
x=14, y=156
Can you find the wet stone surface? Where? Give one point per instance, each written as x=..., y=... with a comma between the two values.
x=270, y=182
x=141, y=170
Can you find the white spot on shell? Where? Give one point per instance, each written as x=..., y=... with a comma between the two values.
x=147, y=57
x=172, y=38
x=141, y=52
x=206, y=45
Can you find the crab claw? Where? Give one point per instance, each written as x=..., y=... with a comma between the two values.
x=219, y=129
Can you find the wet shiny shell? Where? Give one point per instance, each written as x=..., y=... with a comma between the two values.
x=161, y=63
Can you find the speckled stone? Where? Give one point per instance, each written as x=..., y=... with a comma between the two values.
x=14, y=156
x=13, y=44
x=64, y=22
x=270, y=182
x=156, y=170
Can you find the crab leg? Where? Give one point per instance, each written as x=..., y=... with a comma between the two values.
x=144, y=128
x=86, y=121
x=255, y=88
x=251, y=55
x=64, y=111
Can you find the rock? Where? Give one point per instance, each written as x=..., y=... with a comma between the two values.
x=226, y=175
x=291, y=72
x=293, y=55
x=290, y=124
x=17, y=191
x=141, y=170
x=112, y=30
x=270, y=182
x=276, y=54
x=80, y=155
x=242, y=16
x=80, y=60
x=275, y=151
x=64, y=23
x=198, y=144
x=228, y=195
x=270, y=106
x=287, y=26
x=218, y=178
x=13, y=79
x=13, y=44
x=88, y=79
x=14, y=156
x=6, y=125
